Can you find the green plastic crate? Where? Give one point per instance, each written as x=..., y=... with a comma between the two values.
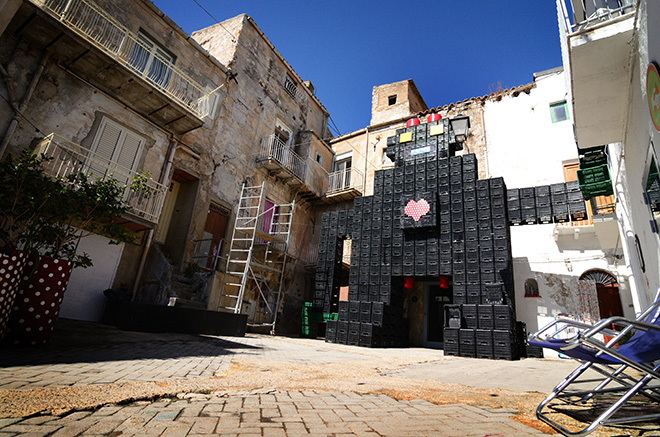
x=596, y=189
x=330, y=316
x=309, y=331
x=593, y=175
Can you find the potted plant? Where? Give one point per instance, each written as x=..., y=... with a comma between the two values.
x=46, y=218
x=24, y=196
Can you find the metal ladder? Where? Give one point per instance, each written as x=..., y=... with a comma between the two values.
x=257, y=255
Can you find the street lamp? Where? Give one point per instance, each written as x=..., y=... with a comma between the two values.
x=460, y=126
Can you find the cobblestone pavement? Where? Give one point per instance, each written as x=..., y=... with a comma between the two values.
x=276, y=413
x=106, y=361
x=156, y=359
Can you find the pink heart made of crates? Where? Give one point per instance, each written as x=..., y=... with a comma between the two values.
x=417, y=209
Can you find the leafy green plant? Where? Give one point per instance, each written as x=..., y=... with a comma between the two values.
x=48, y=216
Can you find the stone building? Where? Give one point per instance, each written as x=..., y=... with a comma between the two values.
x=122, y=89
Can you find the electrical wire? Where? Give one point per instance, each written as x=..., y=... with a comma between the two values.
x=36, y=129
x=332, y=125
x=234, y=39
x=252, y=51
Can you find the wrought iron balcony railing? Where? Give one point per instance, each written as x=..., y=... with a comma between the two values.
x=582, y=14
x=69, y=158
x=274, y=148
x=343, y=180
x=103, y=31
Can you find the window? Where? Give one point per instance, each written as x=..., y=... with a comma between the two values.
x=391, y=100
x=151, y=60
x=559, y=112
x=290, y=87
x=114, y=144
x=341, y=179
x=282, y=132
x=318, y=158
x=531, y=288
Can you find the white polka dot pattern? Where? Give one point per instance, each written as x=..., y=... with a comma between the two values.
x=36, y=310
x=11, y=268
x=417, y=209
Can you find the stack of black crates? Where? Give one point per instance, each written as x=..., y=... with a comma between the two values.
x=556, y=203
x=429, y=217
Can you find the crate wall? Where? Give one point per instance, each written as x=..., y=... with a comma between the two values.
x=429, y=216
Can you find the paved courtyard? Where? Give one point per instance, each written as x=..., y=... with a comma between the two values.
x=94, y=380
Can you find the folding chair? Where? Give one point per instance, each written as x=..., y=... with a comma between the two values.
x=628, y=365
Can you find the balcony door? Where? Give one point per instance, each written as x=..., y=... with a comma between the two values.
x=343, y=173
x=115, y=151
x=151, y=61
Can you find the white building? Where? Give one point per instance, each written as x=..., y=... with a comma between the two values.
x=610, y=50
x=529, y=141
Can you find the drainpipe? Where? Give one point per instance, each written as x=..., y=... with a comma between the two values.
x=23, y=106
x=164, y=175
x=366, y=161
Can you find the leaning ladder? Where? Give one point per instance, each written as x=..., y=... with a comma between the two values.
x=243, y=269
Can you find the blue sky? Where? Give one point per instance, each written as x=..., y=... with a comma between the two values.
x=453, y=50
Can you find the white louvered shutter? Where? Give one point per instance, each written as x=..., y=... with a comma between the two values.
x=106, y=142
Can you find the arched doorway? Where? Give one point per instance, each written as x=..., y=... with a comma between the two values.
x=607, y=288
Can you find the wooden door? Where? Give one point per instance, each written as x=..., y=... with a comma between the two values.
x=214, y=231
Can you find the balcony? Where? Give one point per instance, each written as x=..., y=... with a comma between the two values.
x=597, y=35
x=344, y=185
x=601, y=223
x=281, y=161
x=70, y=158
x=89, y=42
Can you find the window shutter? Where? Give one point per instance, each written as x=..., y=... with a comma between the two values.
x=114, y=145
x=129, y=151
x=105, y=144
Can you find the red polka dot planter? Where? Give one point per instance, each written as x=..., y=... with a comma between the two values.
x=38, y=302
x=11, y=267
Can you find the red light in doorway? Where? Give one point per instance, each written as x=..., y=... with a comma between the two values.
x=443, y=282
x=407, y=282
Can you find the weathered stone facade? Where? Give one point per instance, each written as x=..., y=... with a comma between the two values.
x=203, y=147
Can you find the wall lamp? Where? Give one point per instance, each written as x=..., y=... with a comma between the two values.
x=460, y=125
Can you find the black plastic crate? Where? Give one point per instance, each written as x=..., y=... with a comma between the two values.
x=560, y=213
x=503, y=317
x=494, y=294
x=343, y=310
x=558, y=188
x=470, y=316
x=497, y=182
x=451, y=341
x=484, y=340
x=527, y=193
x=533, y=351
x=513, y=194
x=459, y=293
x=467, y=340
x=528, y=216
x=331, y=331
x=544, y=214
x=485, y=315
x=365, y=308
x=578, y=210
x=503, y=338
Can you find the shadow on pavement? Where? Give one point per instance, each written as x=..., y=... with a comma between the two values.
x=76, y=341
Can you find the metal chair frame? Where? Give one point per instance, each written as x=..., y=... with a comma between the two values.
x=614, y=364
